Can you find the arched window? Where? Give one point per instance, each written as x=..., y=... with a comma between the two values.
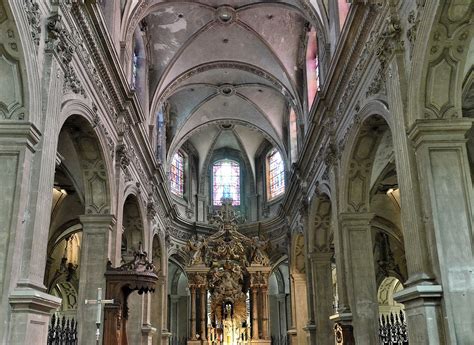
x=177, y=174
x=312, y=66
x=226, y=181
x=293, y=136
x=134, y=70
x=275, y=174
x=343, y=7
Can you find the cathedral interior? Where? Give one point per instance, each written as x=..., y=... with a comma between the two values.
x=289, y=172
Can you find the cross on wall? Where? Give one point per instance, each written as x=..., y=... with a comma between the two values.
x=99, y=302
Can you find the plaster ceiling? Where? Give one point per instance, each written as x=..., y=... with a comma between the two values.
x=238, y=63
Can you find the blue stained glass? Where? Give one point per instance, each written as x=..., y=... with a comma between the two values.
x=226, y=182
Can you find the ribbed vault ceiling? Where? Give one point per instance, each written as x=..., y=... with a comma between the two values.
x=238, y=64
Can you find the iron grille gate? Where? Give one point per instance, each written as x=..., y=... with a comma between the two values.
x=393, y=329
x=62, y=331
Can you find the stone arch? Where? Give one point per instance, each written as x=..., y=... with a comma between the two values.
x=278, y=293
x=440, y=52
x=133, y=239
x=179, y=300
x=357, y=161
x=385, y=296
x=97, y=193
x=21, y=35
x=80, y=186
x=133, y=236
x=86, y=122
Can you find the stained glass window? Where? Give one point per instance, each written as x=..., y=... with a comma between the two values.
x=177, y=174
x=344, y=7
x=226, y=181
x=312, y=66
x=276, y=174
x=134, y=70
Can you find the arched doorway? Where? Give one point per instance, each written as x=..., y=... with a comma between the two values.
x=132, y=241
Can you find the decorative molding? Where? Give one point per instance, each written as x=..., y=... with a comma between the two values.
x=97, y=122
x=389, y=41
x=33, y=16
x=377, y=86
x=62, y=45
x=413, y=22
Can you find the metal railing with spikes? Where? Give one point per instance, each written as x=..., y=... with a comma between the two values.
x=62, y=331
x=393, y=329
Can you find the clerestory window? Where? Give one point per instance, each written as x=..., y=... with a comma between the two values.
x=177, y=174
x=226, y=181
x=275, y=174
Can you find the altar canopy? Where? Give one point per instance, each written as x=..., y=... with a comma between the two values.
x=231, y=271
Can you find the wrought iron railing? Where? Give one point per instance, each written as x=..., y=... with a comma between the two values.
x=393, y=329
x=62, y=331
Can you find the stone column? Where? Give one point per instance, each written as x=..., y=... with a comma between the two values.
x=300, y=306
x=193, y=313
x=96, y=250
x=203, y=313
x=165, y=333
x=265, y=312
x=358, y=253
x=446, y=194
x=323, y=290
x=310, y=327
x=421, y=295
x=156, y=311
x=255, y=335
x=343, y=299
x=22, y=259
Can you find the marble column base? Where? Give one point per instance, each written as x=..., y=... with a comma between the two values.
x=30, y=317
x=422, y=311
x=165, y=337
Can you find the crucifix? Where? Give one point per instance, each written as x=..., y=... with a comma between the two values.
x=99, y=301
